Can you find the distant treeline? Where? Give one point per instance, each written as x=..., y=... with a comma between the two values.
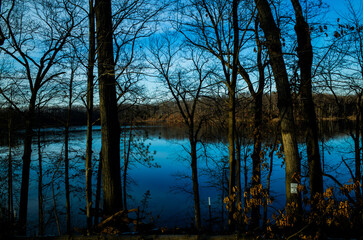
x=328, y=107
x=46, y=117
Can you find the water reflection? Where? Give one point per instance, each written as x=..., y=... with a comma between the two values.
x=328, y=129
x=168, y=188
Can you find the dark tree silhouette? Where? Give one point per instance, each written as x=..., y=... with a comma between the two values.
x=110, y=129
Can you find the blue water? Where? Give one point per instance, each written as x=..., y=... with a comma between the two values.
x=170, y=203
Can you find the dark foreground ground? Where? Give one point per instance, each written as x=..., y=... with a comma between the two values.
x=139, y=237
x=157, y=237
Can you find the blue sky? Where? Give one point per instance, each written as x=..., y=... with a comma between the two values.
x=338, y=8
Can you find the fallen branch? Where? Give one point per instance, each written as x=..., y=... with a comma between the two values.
x=295, y=234
x=351, y=200
x=121, y=213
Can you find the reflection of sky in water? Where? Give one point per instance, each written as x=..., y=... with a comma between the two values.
x=169, y=206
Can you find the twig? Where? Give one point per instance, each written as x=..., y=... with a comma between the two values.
x=341, y=186
x=120, y=213
x=293, y=235
x=349, y=169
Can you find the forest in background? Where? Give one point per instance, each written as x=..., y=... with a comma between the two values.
x=231, y=63
x=166, y=112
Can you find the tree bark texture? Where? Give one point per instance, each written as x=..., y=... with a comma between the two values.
x=110, y=129
x=305, y=54
x=98, y=190
x=257, y=138
x=232, y=116
x=256, y=156
x=90, y=83
x=292, y=159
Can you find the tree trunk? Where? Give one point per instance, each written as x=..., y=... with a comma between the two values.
x=361, y=139
x=357, y=151
x=256, y=158
x=40, y=181
x=127, y=149
x=232, y=117
x=292, y=160
x=54, y=197
x=305, y=54
x=231, y=156
x=268, y=182
x=256, y=155
x=10, y=170
x=193, y=155
x=66, y=178
x=238, y=172
x=110, y=129
x=66, y=154
x=98, y=190
x=23, y=208
x=90, y=68
x=245, y=174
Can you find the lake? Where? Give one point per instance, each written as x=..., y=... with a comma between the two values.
x=159, y=182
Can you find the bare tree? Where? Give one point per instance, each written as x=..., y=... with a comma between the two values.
x=292, y=159
x=342, y=72
x=186, y=87
x=305, y=54
x=72, y=95
x=353, y=31
x=89, y=104
x=214, y=26
x=35, y=66
x=257, y=96
x=110, y=129
x=133, y=23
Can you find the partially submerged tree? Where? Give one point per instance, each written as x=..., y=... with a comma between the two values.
x=35, y=67
x=342, y=72
x=186, y=86
x=89, y=104
x=305, y=54
x=71, y=93
x=288, y=134
x=214, y=26
x=110, y=128
x=257, y=94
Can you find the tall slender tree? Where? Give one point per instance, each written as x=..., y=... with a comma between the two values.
x=90, y=83
x=232, y=113
x=257, y=96
x=287, y=124
x=71, y=98
x=10, y=167
x=214, y=27
x=110, y=129
x=186, y=87
x=305, y=54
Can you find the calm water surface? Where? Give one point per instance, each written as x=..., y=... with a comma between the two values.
x=169, y=201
